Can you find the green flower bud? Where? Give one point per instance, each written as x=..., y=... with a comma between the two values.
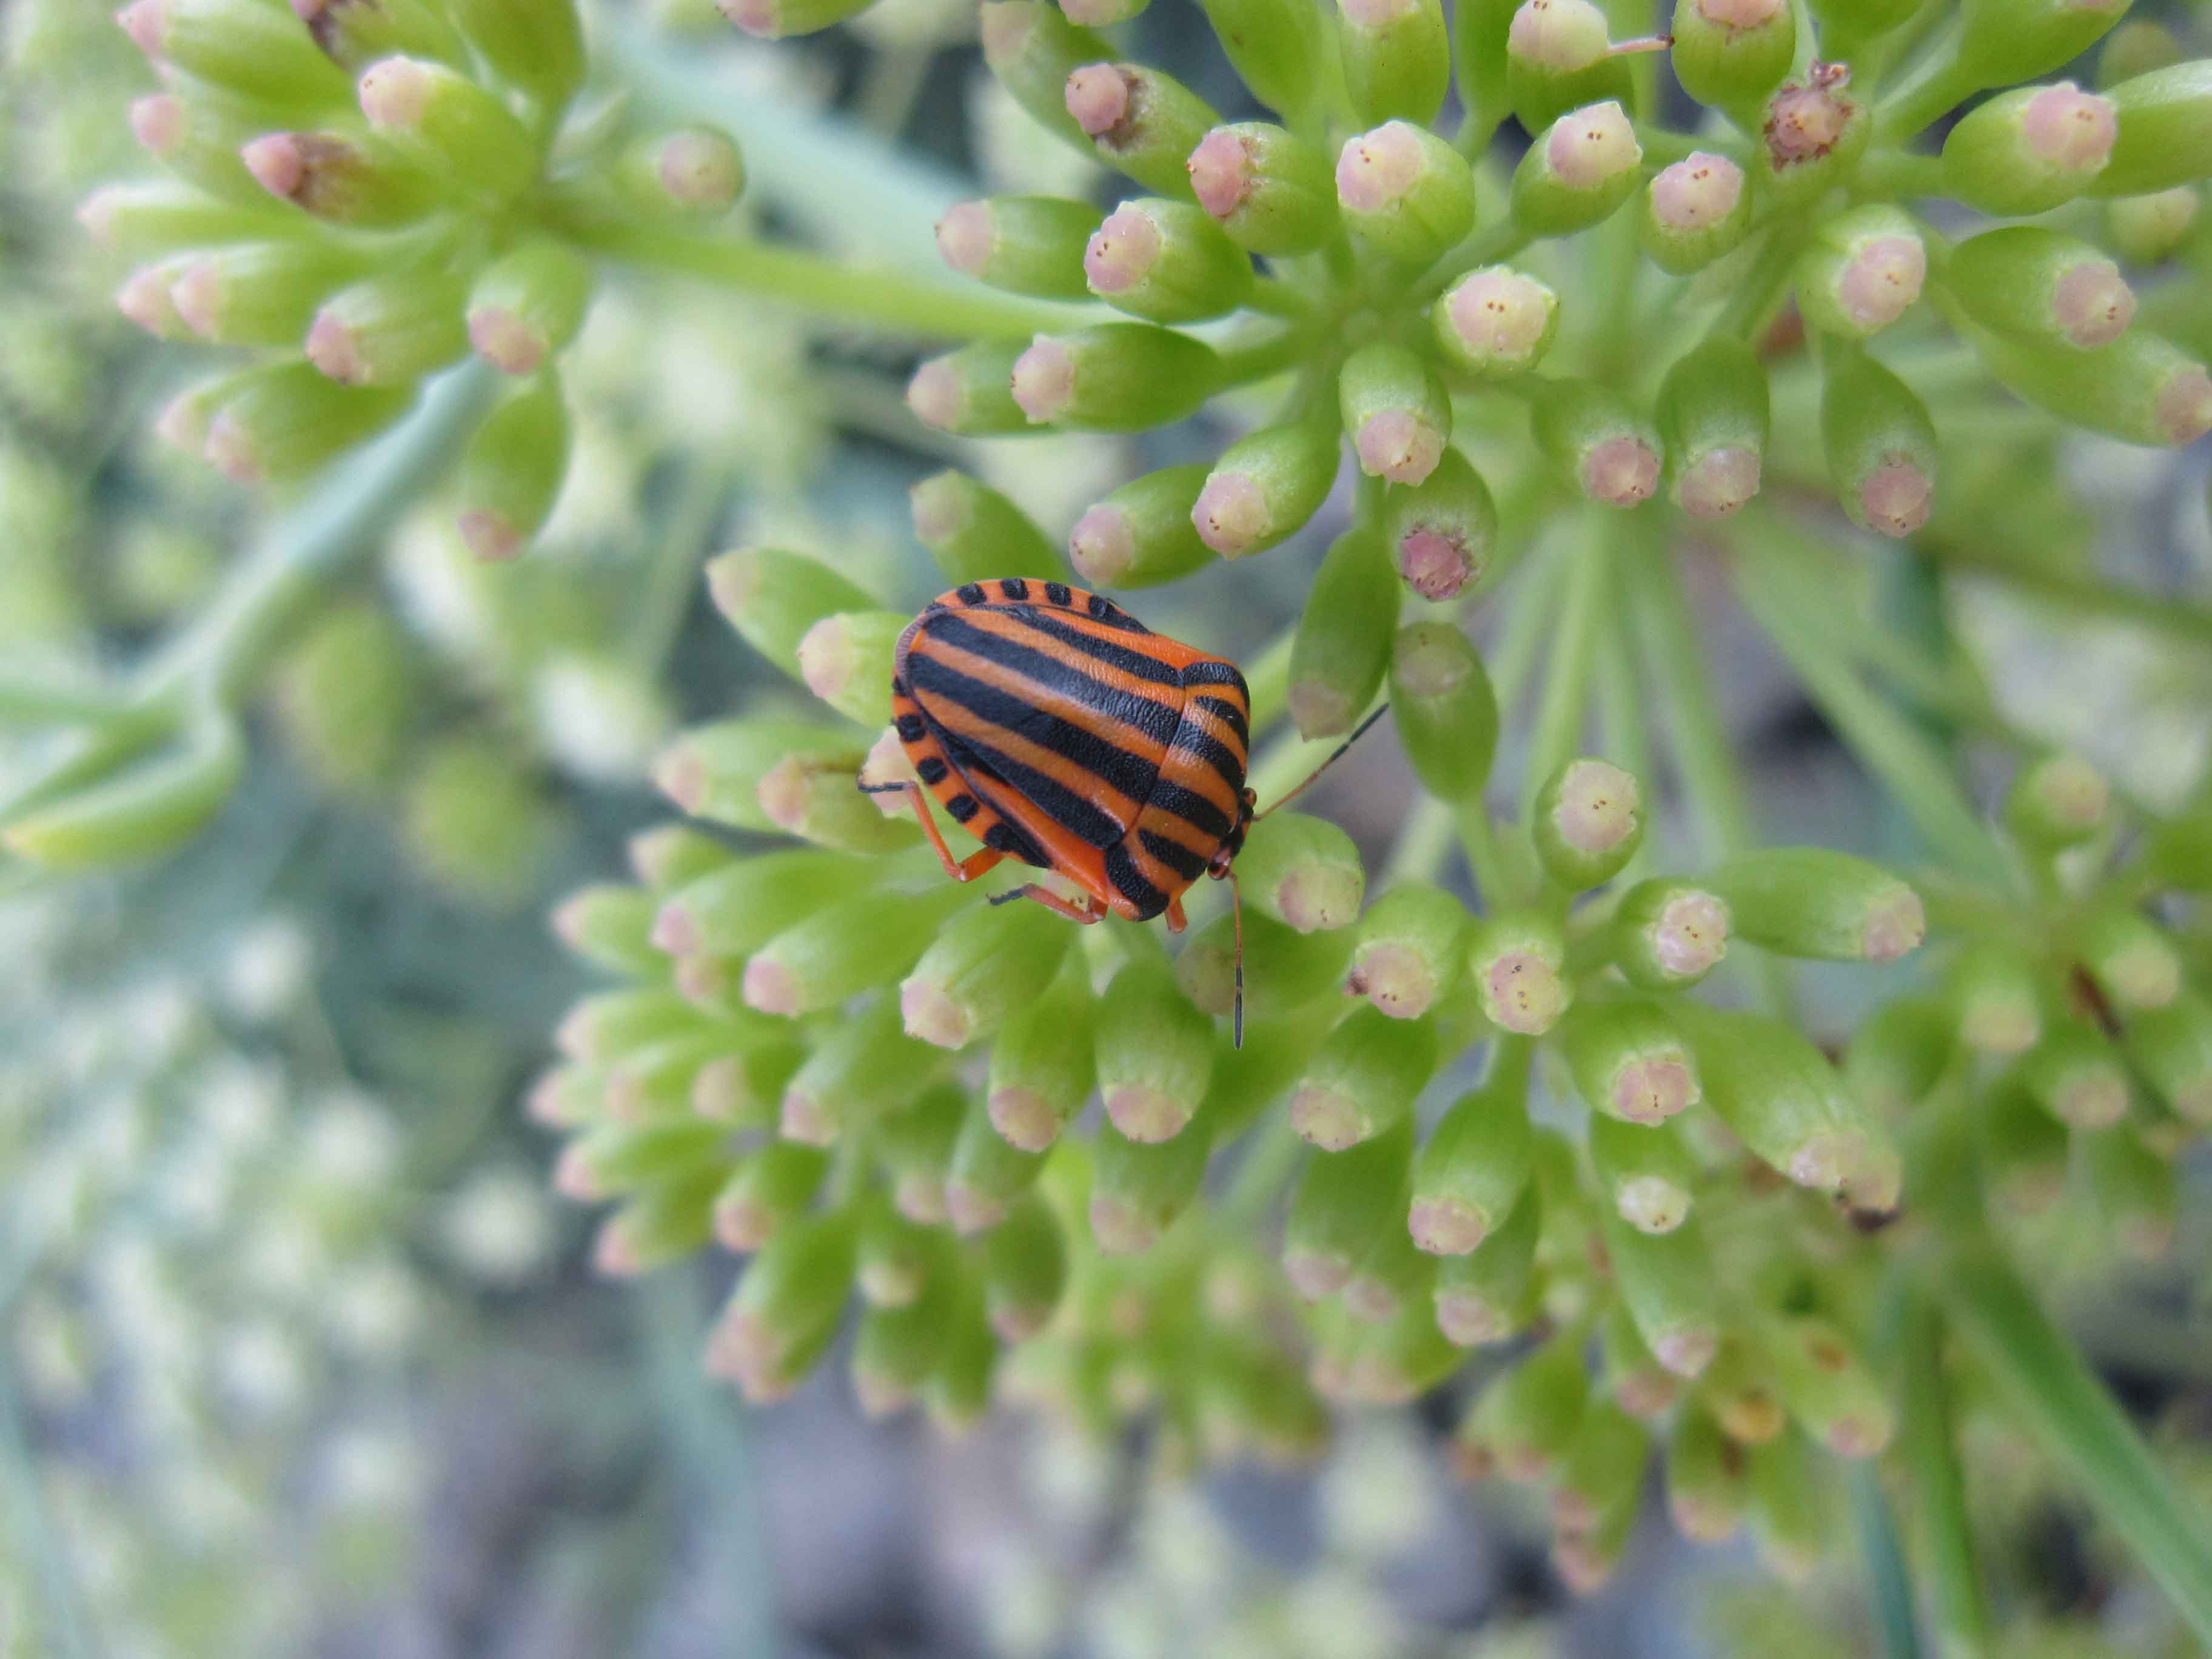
x=2035, y=285
x=257, y=293
x=2136, y=47
x=2162, y=118
x=1274, y=46
x=850, y=945
x=1304, y=872
x=2024, y=1149
x=1266, y=486
x=1032, y=50
x=1647, y=1172
x=359, y=180
x=1474, y=1168
x=512, y=470
x=527, y=304
x=1589, y=823
x=1344, y=635
x=1155, y=1053
x=280, y=423
x=1270, y=190
x=1023, y=243
x=744, y=1085
x=1284, y=970
x=776, y=19
x=1705, y=1478
x=1363, y=1081
x=1601, y=1475
x=610, y=925
x=970, y=392
x=147, y=298
x=1142, y=533
x=2075, y=1075
x=656, y=1080
x=988, y=1172
x=864, y=1069
x=2057, y=801
x=1517, y=959
x=2029, y=149
x=959, y=1392
x=238, y=45
x=1827, y=1386
x=1494, y=321
x=345, y=696
x=1578, y=172
x=1024, y=1270
x=1112, y=377
x=1141, y=122
x=1591, y=432
x=147, y=809
x=1667, y=1281
x=1666, y=933
x=1558, y=57
x=1815, y=902
x=1995, y=1000
x=975, y=533
x=1777, y=1093
x=1628, y=1370
x=2135, y=1191
x=2140, y=389
x=615, y=1159
x=1441, y=532
x=1814, y=134
x=1444, y=710
x=1487, y=1294
x=1166, y=262
x=1585, y=1560
x=1789, y=1508
x=846, y=660
x=389, y=329
x=2131, y=958
x=1899, y=1053
x=986, y=963
x=606, y=1027
x=915, y=1143
x=1391, y=1279
x=1359, y=1362
x=787, y=1308
x=1397, y=62
x=1397, y=412
x=1864, y=268
x=1411, y=949
x=1713, y=421
x=662, y=1225
x=779, y=775
x=196, y=141
x=2148, y=230
x=1628, y=1061
x=1141, y=1188
x=2004, y=41
x=733, y=910
x=1344, y=1202
x=670, y=856
x=353, y=33
x=1848, y=27
x=773, y=599
x=1405, y=191
x=897, y=1349
x=456, y=130
x=536, y=45
x=1740, y=1390
x=160, y=215
x=1880, y=442
x=1695, y=210
x=770, y=1189
x=2172, y=1046
x=1529, y=1414
x=1041, y=1066
x=1730, y=54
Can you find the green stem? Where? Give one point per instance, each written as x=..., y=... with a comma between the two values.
x=1277, y=298
x=1422, y=845
x=1939, y=1493
x=343, y=520
x=1936, y=83
x=1558, y=730
x=821, y=286
x=1894, y=173
x=1269, y=1158
x=2077, y=1421
x=1243, y=364
x=1747, y=308
x=1892, y=1582
x=1478, y=834
x=2163, y=614
x=672, y=577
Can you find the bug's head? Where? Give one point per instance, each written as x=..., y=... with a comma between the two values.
x=1225, y=854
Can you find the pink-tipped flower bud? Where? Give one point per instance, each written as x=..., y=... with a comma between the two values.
x=1694, y=211
x=2029, y=149
x=1405, y=191
x=1496, y=321
x=1270, y=190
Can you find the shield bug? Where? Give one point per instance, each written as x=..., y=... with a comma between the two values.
x=1062, y=732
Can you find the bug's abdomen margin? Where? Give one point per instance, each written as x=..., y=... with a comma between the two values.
x=1196, y=807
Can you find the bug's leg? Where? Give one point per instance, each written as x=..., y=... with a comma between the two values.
x=1051, y=900
x=1176, y=920
x=977, y=863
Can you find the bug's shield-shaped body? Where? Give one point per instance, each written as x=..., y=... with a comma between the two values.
x=1063, y=732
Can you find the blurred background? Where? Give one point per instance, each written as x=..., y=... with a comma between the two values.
x=303, y=1356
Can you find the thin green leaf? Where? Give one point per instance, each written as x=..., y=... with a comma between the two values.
x=1889, y=1580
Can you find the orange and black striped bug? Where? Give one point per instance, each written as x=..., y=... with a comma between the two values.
x=1062, y=732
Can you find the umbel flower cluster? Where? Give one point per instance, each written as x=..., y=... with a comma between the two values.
x=873, y=1083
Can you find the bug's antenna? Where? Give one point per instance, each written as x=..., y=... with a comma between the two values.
x=1381, y=710
x=1237, y=910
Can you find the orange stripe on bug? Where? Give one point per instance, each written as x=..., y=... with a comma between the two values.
x=1062, y=732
